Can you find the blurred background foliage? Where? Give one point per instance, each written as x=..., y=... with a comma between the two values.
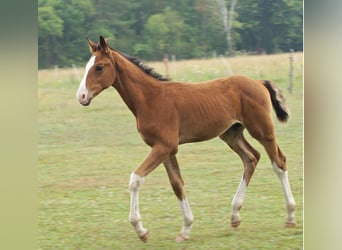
x=151, y=29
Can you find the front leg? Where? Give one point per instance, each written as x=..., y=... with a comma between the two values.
x=158, y=154
x=177, y=184
x=134, y=216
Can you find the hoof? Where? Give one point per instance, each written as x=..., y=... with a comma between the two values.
x=181, y=238
x=235, y=224
x=144, y=237
x=290, y=224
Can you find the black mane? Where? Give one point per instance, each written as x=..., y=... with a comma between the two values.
x=148, y=70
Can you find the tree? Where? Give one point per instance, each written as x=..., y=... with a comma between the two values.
x=272, y=25
x=156, y=31
x=61, y=31
x=119, y=21
x=150, y=28
x=78, y=16
x=227, y=19
x=50, y=27
x=164, y=32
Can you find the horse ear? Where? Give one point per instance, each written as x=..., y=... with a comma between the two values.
x=92, y=46
x=104, y=45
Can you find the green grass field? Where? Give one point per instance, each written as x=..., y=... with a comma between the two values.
x=86, y=154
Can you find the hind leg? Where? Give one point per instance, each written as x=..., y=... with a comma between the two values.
x=260, y=126
x=278, y=160
x=250, y=157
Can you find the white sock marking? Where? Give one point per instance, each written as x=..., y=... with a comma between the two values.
x=188, y=218
x=285, y=184
x=134, y=216
x=238, y=200
x=240, y=193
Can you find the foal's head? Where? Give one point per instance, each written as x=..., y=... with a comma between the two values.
x=99, y=72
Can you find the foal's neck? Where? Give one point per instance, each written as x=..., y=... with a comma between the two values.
x=135, y=87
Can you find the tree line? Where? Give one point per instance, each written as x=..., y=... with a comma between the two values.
x=151, y=29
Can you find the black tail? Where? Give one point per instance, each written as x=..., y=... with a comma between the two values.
x=278, y=101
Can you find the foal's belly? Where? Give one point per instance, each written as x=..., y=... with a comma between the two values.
x=203, y=131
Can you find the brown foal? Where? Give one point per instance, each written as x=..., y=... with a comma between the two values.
x=170, y=113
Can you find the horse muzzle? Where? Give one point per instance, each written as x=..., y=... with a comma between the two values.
x=83, y=98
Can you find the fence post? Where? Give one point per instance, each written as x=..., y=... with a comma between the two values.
x=174, y=65
x=291, y=72
x=166, y=64
x=56, y=71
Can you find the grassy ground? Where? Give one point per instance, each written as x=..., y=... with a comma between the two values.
x=86, y=155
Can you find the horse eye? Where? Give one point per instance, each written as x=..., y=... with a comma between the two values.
x=99, y=67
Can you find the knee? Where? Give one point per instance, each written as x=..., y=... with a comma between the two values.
x=166, y=151
x=135, y=182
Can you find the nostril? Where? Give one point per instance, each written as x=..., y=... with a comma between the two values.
x=83, y=96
